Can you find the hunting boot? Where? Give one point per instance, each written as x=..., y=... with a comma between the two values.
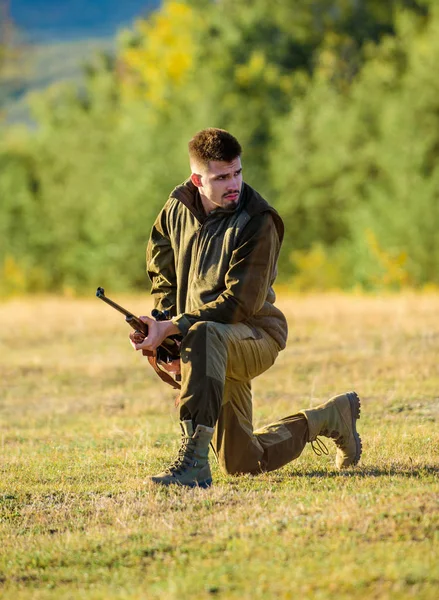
x=336, y=419
x=191, y=469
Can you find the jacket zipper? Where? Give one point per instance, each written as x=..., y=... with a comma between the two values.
x=196, y=271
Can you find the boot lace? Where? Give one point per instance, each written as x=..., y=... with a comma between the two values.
x=320, y=447
x=183, y=460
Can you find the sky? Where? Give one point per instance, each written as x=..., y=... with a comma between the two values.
x=61, y=20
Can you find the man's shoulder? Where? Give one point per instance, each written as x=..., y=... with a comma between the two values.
x=255, y=204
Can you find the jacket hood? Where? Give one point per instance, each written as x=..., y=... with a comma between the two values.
x=250, y=201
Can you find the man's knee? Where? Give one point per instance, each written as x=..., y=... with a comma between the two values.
x=205, y=354
x=240, y=467
x=204, y=330
x=245, y=461
x=203, y=326
x=199, y=328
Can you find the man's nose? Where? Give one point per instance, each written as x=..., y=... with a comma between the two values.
x=234, y=183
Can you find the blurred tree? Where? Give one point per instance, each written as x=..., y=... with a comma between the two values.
x=305, y=88
x=157, y=56
x=92, y=186
x=236, y=65
x=356, y=167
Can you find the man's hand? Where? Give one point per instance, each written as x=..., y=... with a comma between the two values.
x=157, y=332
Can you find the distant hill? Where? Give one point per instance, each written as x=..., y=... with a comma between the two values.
x=49, y=63
x=59, y=20
x=62, y=35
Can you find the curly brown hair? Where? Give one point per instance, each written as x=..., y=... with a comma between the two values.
x=213, y=144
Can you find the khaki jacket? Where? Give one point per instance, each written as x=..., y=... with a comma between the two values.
x=217, y=267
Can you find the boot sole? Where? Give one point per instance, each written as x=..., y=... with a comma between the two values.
x=195, y=484
x=355, y=404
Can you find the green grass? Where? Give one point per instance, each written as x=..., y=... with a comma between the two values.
x=84, y=421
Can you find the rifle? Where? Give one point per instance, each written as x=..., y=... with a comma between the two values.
x=168, y=350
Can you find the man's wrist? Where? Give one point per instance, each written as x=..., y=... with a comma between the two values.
x=182, y=323
x=170, y=328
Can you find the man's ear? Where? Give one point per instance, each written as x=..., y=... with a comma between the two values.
x=196, y=180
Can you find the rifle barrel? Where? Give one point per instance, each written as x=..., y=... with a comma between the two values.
x=100, y=293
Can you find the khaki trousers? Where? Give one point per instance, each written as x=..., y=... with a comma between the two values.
x=218, y=363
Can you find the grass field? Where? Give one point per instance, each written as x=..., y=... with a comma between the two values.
x=84, y=421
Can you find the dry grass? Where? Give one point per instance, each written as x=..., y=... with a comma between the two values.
x=83, y=421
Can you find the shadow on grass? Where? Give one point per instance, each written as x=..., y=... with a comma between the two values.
x=365, y=472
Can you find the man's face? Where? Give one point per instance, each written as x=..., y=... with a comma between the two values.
x=219, y=184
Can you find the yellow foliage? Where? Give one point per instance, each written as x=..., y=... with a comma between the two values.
x=393, y=266
x=320, y=269
x=316, y=270
x=164, y=56
x=13, y=277
x=333, y=64
x=17, y=278
x=258, y=69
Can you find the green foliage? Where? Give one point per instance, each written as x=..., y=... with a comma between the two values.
x=362, y=161
x=334, y=102
x=91, y=189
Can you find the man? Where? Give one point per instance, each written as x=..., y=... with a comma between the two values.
x=212, y=259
